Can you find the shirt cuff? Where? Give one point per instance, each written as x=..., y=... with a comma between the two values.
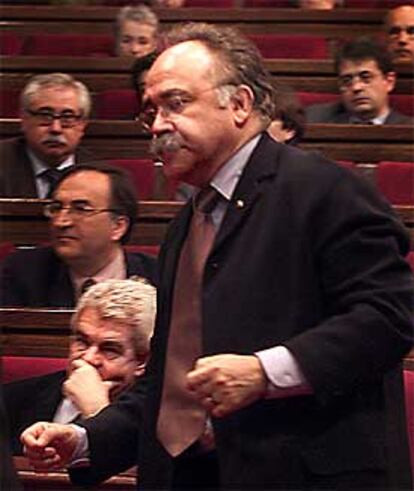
x=80, y=457
x=283, y=373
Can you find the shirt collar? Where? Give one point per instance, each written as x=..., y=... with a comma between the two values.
x=39, y=166
x=376, y=121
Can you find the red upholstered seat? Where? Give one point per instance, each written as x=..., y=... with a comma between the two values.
x=410, y=259
x=209, y=3
x=69, y=45
x=291, y=46
x=20, y=367
x=268, y=3
x=142, y=173
x=116, y=104
x=10, y=44
x=409, y=402
x=309, y=98
x=396, y=181
x=9, y=103
x=6, y=248
x=404, y=103
x=152, y=250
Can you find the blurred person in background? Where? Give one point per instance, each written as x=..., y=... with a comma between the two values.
x=399, y=27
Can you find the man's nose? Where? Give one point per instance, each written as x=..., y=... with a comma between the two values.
x=403, y=37
x=55, y=126
x=92, y=356
x=356, y=84
x=62, y=219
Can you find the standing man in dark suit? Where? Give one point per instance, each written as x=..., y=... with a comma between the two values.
x=54, y=114
x=365, y=79
x=108, y=350
x=305, y=304
x=92, y=212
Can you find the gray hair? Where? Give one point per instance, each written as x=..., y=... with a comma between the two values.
x=240, y=61
x=139, y=13
x=40, y=82
x=131, y=302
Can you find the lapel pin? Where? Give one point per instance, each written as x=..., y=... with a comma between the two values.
x=239, y=203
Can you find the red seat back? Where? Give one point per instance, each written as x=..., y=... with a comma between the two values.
x=291, y=46
x=10, y=44
x=20, y=367
x=409, y=402
x=116, y=104
x=9, y=103
x=6, y=248
x=404, y=103
x=69, y=45
x=410, y=260
x=268, y=3
x=152, y=250
x=396, y=181
x=209, y=3
x=309, y=98
x=142, y=172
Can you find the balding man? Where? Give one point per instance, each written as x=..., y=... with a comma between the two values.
x=399, y=25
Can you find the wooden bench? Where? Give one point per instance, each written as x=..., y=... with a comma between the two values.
x=107, y=73
x=125, y=139
x=99, y=19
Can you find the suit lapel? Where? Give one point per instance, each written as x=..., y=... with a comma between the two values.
x=26, y=181
x=258, y=171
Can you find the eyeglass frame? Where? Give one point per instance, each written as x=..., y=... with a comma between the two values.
x=167, y=112
x=364, y=76
x=51, y=116
x=77, y=338
x=395, y=31
x=87, y=212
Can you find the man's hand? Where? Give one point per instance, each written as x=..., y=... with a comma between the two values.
x=86, y=389
x=226, y=383
x=49, y=446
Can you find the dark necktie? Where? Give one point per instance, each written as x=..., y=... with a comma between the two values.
x=86, y=285
x=181, y=420
x=52, y=176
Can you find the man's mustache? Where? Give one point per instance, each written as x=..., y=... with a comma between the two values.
x=166, y=143
x=55, y=139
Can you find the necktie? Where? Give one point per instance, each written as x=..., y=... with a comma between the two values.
x=86, y=285
x=182, y=419
x=52, y=176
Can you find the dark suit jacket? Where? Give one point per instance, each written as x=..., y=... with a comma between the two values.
x=17, y=178
x=39, y=278
x=30, y=400
x=313, y=261
x=336, y=113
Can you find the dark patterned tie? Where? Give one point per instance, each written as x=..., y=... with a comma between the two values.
x=181, y=420
x=52, y=176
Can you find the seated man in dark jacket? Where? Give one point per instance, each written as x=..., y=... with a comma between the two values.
x=108, y=350
x=365, y=79
x=91, y=215
x=54, y=113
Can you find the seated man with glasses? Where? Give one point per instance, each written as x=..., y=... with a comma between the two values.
x=91, y=215
x=108, y=350
x=54, y=113
x=365, y=79
x=399, y=27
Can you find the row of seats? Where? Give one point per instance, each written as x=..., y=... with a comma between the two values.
x=102, y=45
x=122, y=103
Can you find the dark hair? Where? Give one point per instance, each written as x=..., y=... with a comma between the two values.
x=123, y=197
x=289, y=111
x=364, y=49
x=240, y=62
x=141, y=65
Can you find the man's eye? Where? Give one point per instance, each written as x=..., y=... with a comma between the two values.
x=176, y=104
x=394, y=30
x=365, y=76
x=82, y=207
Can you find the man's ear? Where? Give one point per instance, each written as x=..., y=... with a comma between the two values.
x=242, y=103
x=140, y=369
x=391, y=78
x=120, y=226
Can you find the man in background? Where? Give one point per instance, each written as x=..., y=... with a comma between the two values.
x=136, y=31
x=54, y=114
x=365, y=79
x=91, y=215
x=108, y=350
x=399, y=28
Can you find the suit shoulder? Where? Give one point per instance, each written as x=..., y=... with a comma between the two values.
x=12, y=390
x=140, y=264
x=326, y=112
x=36, y=256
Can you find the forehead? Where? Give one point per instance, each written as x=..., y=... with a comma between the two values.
x=88, y=184
x=62, y=97
x=354, y=66
x=189, y=65
x=403, y=15
x=90, y=322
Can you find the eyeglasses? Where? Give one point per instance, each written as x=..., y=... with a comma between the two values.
x=396, y=30
x=109, y=350
x=46, y=118
x=77, y=209
x=172, y=105
x=345, y=81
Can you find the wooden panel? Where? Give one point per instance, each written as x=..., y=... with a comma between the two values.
x=59, y=480
x=106, y=73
